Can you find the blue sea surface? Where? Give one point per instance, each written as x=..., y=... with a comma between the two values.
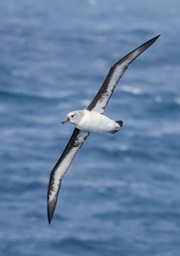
x=121, y=196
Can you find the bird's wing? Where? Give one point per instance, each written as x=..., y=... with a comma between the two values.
x=77, y=139
x=102, y=97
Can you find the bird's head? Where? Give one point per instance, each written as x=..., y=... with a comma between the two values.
x=73, y=117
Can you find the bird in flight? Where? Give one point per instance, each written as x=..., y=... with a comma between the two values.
x=90, y=120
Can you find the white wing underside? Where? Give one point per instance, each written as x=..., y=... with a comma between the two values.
x=101, y=99
x=113, y=79
x=78, y=137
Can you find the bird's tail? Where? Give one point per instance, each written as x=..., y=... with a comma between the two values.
x=120, y=122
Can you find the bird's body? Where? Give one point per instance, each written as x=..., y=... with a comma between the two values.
x=90, y=120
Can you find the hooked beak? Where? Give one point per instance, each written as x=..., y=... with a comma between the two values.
x=65, y=121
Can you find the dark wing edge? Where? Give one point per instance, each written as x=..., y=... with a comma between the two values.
x=61, y=167
x=102, y=97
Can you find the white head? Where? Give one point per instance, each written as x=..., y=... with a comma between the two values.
x=74, y=117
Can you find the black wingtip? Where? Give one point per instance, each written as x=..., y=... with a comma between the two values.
x=156, y=37
x=50, y=209
x=148, y=43
x=50, y=214
x=49, y=217
x=49, y=220
x=51, y=202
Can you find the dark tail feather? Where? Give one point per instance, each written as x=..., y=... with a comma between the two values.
x=120, y=122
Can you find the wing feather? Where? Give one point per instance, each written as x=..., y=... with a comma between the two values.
x=102, y=97
x=77, y=139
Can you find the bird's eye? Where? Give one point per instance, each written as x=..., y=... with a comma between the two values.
x=73, y=115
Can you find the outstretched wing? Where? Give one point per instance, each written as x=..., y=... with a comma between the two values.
x=101, y=99
x=61, y=167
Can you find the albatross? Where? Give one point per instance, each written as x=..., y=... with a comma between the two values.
x=90, y=120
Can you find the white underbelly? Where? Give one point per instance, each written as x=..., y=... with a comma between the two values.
x=96, y=122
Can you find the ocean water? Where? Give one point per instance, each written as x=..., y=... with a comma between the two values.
x=121, y=195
